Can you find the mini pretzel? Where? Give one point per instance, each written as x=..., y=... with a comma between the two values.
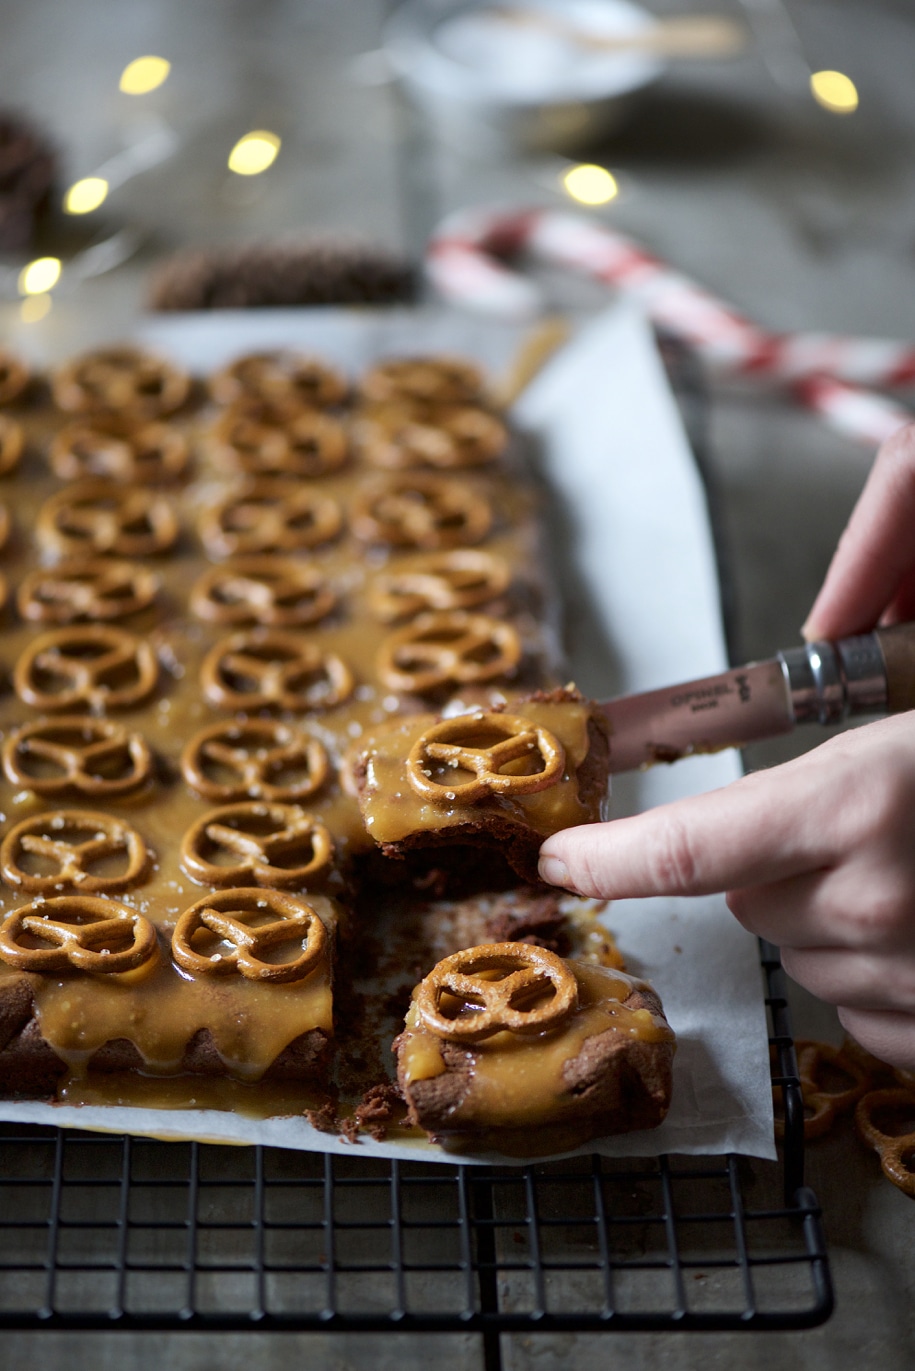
x=305, y=445
x=449, y=439
x=123, y=380
x=92, y=757
x=433, y=380
x=14, y=377
x=274, y=591
x=422, y=511
x=894, y=1109
x=230, y=916
x=152, y=454
x=90, y=588
x=258, y=669
x=279, y=377
x=12, y=444
x=96, y=517
x=92, y=665
x=460, y=579
x=269, y=516
x=490, y=746
x=72, y=842
x=477, y=1006
x=268, y=845
x=451, y=647
x=86, y=933
x=6, y=525
x=259, y=759
x=822, y=1106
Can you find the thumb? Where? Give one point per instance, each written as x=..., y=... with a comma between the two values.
x=759, y=829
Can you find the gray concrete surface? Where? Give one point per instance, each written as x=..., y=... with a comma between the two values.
x=802, y=219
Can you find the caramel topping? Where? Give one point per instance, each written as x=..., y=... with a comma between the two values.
x=461, y=579
x=250, y=924
x=517, y=1080
x=87, y=934
x=499, y=987
x=102, y=668
x=392, y=809
x=497, y=750
x=93, y=588
x=261, y=669
x=94, y=757
x=125, y=380
x=101, y=517
x=275, y=591
x=267, y=845
x=259, y=759
x=269, y=516
x=95, y=853
x=12, y=444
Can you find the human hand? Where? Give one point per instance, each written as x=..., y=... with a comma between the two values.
x=872, y=575
x=817, y=856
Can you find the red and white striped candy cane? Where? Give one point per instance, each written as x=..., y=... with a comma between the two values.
x=826, y=373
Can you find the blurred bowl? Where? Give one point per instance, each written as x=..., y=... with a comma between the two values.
x=488, y=80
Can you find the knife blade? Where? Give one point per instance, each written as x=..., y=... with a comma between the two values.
x=821, y=682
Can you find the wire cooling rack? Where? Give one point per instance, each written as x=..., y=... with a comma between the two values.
x=105, y=1232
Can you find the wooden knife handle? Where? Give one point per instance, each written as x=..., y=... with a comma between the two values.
x=898, y=647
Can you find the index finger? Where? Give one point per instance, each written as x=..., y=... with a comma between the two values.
x=765, y=827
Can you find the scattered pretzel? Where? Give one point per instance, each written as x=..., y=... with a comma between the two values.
x=77, y=755
x=269, y=669
x=12, y=444
x=421, y=511
x=122, y=380
x=490, y=746
x=80, y=588
x=449, y=647
x=72, y=842
x=404, y=438
x=103, y=517
x=230, y=916
x=92, y=665
x=461, y=1001
x=86, y=933
x=152, y=454
x=274, y=591
x=6, y=526
x=281, y=377
x=260, y=759
x=14, y=377
x=460, y=579
x=822, y=1105
x=433, y=380
x=885, y=1119
x=303, y=446
x=273, y=845
x=269, y=516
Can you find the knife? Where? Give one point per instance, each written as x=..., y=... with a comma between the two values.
x=821, y=682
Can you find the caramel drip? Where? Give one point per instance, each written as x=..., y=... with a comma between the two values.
x=518, y=1081
x=160, y=1012
x=392, y=809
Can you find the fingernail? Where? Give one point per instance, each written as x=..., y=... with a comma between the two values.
x=553, y=871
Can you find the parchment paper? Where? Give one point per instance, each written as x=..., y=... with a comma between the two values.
x=635, y=559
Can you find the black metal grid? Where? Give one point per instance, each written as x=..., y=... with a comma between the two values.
x=104, y=1232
